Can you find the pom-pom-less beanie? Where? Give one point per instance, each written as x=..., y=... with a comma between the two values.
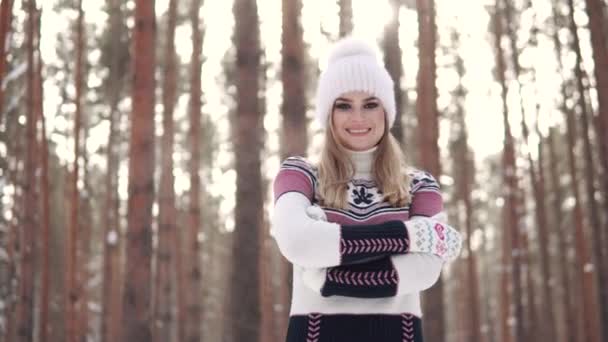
x=353, y=65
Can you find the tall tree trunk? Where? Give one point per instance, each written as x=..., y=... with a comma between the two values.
x=25, y=305
x=112, y=242
x=467, y=178
x=519, y=240
x=294, y=134
x=569, y=326
x=84, y=243
x=428, y=156
x=136, y=310
x=194, y=274
x=6, y=18
x=392, y=60
x=596, y=11
x=266, y=289
x=599, y=233
x=74, y=294
x=167, y=215
x=43, y=330
x=588, y=291
x=346, y=17
x=15, y=177
x=582, y=254
x=509, y=215
x=245, y=301
x=537, y=189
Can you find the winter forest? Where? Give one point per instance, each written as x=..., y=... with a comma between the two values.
x=139, y=140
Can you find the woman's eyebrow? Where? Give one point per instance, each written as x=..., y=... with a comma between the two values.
x=371, y=98
x=343, y=99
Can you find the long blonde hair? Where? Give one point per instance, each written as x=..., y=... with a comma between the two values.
x=388, y=170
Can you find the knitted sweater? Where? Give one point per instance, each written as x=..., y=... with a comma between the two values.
x=358, y=272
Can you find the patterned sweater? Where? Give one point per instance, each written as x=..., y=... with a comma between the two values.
x=363, y=266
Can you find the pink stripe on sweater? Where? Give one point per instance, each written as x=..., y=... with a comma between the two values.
x=426, y=203
x=292, y=180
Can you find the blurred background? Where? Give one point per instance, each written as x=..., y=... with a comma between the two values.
x=139, y=140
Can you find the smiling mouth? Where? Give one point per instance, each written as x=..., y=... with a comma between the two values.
x=358, y=131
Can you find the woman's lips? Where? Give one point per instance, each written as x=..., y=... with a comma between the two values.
x=358, y=131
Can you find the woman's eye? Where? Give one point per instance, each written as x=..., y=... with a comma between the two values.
x=342, y=106
x=371, y=105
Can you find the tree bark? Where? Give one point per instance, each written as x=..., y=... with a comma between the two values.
x=136, y=310
x=509, y=214
x=596, y=11
x=46, y=210
x=74, y=297
x=346, y=17
x=113, y=241
x=568, y=325
x=467, y=177
x=244, y=294
x=167, y=215
x=428, y=156
x=194, y=274
x=25, y=305
x=392, y=60
x=6, y=18
x=538, y=192
x=595, y=220
x=588, y=291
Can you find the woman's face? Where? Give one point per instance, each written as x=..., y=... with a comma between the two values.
x=358, y=120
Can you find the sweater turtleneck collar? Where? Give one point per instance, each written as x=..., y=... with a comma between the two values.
x=363, y=161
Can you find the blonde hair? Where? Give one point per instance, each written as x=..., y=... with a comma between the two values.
x=388, y=171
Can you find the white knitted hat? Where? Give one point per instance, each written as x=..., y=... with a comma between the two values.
x=353, y=65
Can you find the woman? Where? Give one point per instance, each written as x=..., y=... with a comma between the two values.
x=362, y=231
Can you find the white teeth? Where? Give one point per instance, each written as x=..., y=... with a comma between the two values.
x=358, y=131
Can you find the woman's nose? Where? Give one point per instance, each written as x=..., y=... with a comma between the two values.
x=357, y=114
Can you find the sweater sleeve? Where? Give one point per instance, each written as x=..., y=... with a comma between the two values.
x=386, y=277
x=312, y=243
x=432, y=243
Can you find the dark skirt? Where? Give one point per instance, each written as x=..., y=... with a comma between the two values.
x=354, y=328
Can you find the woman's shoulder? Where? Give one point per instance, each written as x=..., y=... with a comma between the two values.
x=299, y=163
x=421, y=179
x=296, y=174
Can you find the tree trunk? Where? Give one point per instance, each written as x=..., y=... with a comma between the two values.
x=537, y=189
x=467, y=178
x=74, y=297
x=392, y=60
x=25, y=305
x=428, y=156
x=582, y=254
x=245, y=301
x=6, y=17
x=509, y=214
x=588, y=291
x=596, y=224
x=596, y=11
x=167, y=215
x=346, y=17
x=84, y=243
x=136, y=310
x=568, y=325
x=294, y=135
x=46, y=210
x=194, y=274
x=112, y=241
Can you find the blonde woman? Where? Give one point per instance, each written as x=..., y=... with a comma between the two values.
x=361, y=229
